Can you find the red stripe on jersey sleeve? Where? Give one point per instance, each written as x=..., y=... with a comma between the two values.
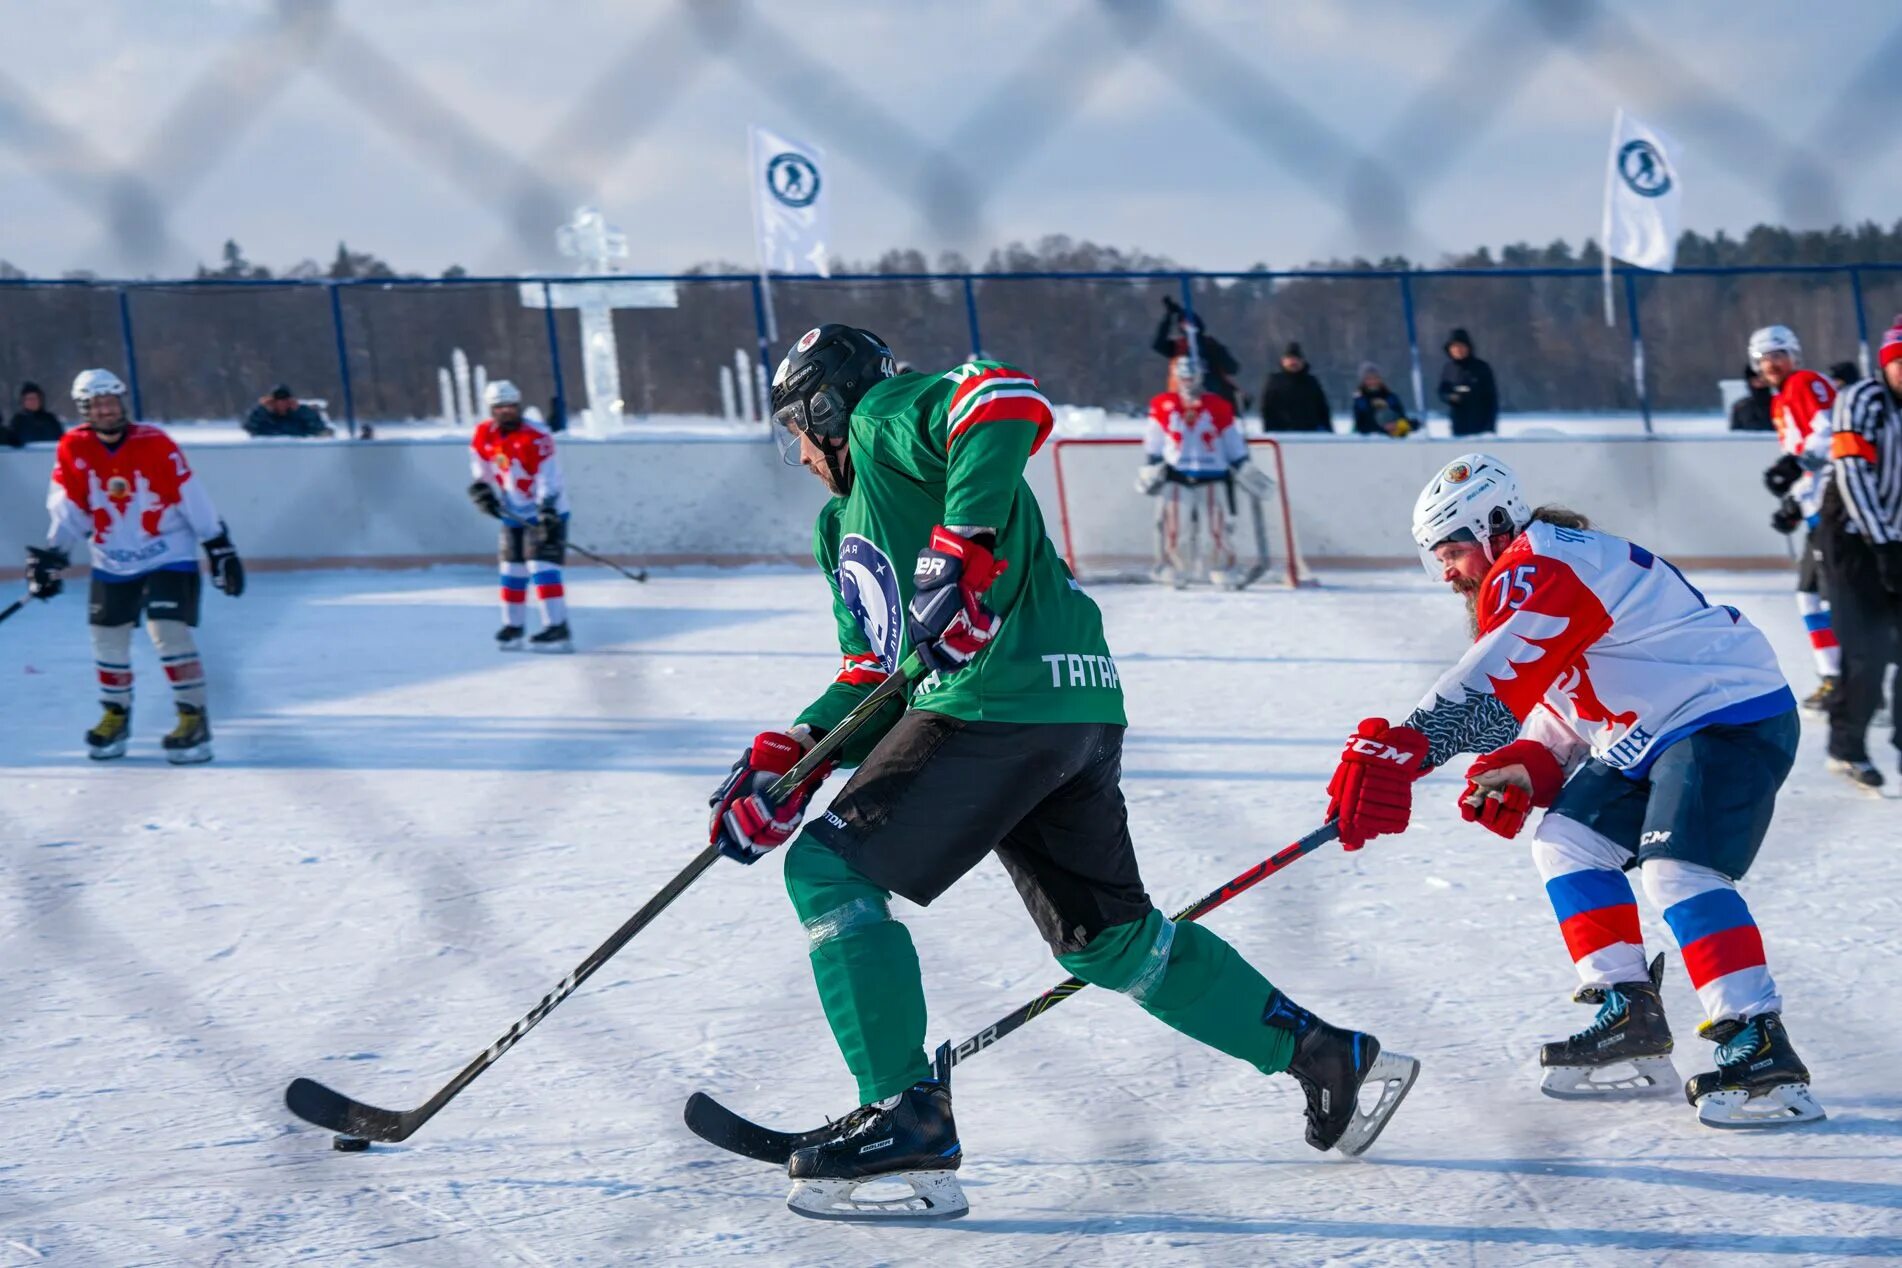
x=1017, y=409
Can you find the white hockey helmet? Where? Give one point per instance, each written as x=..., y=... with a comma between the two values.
x=1185, y=371
x=91, y=383
x=1475, y=497
x=1774, y=339
x=500, y=392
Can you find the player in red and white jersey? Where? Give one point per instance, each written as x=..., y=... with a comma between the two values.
x=518, y=481
x=1193, y=450
x=1801, y=411
x=126, y=490
x=1595, y=659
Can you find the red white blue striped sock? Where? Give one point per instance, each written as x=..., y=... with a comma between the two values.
x=1716, y=935
x=1596, y=910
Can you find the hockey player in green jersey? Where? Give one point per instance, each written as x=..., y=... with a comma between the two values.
x=933, y=542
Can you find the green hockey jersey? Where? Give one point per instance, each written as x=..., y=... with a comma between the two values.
x=930, y=449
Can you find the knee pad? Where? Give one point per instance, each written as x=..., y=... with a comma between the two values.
x=1561, y=845
x=1129, y=958
x=832, y=899
x=112, y=643
x=172, y=638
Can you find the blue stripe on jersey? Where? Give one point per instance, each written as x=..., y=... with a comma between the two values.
x=1712, y=911
x=1590, y=890
x=1744, y=712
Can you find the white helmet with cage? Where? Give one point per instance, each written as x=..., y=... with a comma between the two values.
x=90, y=385
x=1774, y=339
x=1475, y=497
x=1185, y=375
x=500, y=392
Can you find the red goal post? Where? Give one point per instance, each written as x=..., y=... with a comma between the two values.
x=1106, y=525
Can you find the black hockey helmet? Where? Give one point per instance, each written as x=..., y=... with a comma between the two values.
x=824, y=377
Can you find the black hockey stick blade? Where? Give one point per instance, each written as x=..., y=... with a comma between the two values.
x=11, y=608
x=331, y=1109
x=723, y=1129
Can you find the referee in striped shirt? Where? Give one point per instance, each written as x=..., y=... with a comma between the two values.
x=1862, y=555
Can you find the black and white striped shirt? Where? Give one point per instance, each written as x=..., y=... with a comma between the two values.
x=1866, y=450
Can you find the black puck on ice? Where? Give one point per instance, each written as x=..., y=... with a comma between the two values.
x=349, y=1144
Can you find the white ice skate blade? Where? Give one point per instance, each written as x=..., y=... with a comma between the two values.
x=189, y=756
x=552, y=649
x=1635, y=1079
x=106, y=752
x=1783, y=1106
x=935, y=1195
x=513, y=645
x=1390, y=1078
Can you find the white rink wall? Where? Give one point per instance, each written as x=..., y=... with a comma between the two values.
x=718, y=495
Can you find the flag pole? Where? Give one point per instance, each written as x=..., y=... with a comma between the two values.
x=756, y=179
x=1611, y=174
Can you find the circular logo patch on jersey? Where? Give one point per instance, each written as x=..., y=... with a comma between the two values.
x=119, y=487
x=1458, y=473
x=1643, y=169
x=793, y=179
x=868, y=586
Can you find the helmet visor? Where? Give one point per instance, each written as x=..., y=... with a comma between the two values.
x=1431, y=562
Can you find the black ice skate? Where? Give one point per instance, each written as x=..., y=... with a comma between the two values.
x=553, y=639
x=1759, y=1080
x=190, y=740
x=1817, y=701
x=1863, y=774
x=1333, y=1066
x=908, y=1138
x=1625, y=1054
x=107, y=740
x=508, y=639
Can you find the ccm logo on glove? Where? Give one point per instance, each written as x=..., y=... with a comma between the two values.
x=1371, y=793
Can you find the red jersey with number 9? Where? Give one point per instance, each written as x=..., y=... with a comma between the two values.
x=1615, y=644
x=136, y=502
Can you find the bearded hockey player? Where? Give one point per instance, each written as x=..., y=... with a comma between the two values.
x=1595, y=657
x=126, y=489
x=518, y=481
x=1194, y=455
x=1011, y=745
x=1800, y=410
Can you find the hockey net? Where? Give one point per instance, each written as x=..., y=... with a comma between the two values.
x=1108, y=528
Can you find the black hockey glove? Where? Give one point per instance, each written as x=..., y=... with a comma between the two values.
x=227, y=570
x=1780, y=475
x=43, y=566
x=486, y=499
x=1788, y=516
x=1889, y=566
x=550, y=521
x=1170, y=306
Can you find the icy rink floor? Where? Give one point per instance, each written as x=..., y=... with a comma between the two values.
x=408, y=838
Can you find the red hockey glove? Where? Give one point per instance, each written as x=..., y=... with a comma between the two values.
x=948, y=625
x=745, y=824
x=1503, y=786
x=1371, y=793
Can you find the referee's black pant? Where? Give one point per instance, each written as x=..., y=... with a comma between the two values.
x=1868, y=624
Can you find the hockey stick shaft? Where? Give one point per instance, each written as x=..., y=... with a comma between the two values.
x=11, y=608
x=1201, y=907
x=315, y=1103
x=585, y=553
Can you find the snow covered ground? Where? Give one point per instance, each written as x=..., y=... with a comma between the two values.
x=407, y=839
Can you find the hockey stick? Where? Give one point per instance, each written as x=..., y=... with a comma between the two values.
x=359, y=1122
x=585, y=553
x=11, y=608
x=720, y=1126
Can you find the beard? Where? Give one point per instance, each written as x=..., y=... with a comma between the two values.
x=1469, y=591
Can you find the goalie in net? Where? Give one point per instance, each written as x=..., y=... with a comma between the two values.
x=1217, y=515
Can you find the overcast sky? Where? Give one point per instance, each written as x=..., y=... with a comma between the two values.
x=136, y=136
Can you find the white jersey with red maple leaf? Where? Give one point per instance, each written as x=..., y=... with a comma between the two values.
x=1591, y=643
x=1201, y=442
x=521, y=465
x=1801, y=411
x=136, y=503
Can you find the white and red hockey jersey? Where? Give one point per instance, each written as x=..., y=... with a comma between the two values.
x=1201, y=442
x=136, y=503
x=522, y=466
x=1601, y=647
x=1801, y=411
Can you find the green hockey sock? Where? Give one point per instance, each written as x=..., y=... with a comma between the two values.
x=1189, y=979
x=865, y=967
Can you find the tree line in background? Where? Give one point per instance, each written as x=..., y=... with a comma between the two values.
x=211, y=352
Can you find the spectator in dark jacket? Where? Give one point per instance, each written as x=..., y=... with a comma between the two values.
x=1292, y=399
x=1467, y=387
x=32, y=422
x=282, y=414
x=1218, y=363
x=1751, y=411
x=1844, y=373
x=1377, y=407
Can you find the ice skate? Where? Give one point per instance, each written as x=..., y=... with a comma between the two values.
x=553, y=639
x=1759, y=1080
x=108, y=739
x=508, y=639
x=1817, y=701
x=1862, y=774
x=908, y=1139
x=1333, y=1067
x=1625, y=1054
x=190, y=740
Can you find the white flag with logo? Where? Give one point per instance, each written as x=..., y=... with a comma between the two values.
x=789, y=200
x=1643, y=197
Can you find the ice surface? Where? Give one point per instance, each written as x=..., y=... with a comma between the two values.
x=406, y=839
